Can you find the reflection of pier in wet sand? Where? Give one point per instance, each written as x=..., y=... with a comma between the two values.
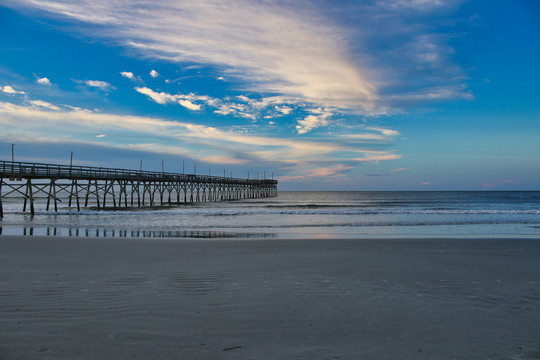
x=116, y=188
x=123, y=233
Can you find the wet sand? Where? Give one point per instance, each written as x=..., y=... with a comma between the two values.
x=96, y=298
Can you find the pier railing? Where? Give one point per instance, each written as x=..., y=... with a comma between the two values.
x=9, y=169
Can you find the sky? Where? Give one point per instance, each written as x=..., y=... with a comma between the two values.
x=320, y=95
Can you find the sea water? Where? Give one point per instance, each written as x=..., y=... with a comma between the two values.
x=310, y=215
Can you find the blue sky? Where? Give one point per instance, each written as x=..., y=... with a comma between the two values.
x=324, y=95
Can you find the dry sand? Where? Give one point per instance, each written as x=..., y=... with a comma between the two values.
x=86, y=298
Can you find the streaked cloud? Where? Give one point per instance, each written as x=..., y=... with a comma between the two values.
x=417, y=5
x=385, y=132
x=160, y=98
x=295, y=51
x=328, y=171
x=376, y=156
x=99, y=84
x=102, y=85
x=270, y=47
x=313, y=158
x=189, y=105
x=44, y=104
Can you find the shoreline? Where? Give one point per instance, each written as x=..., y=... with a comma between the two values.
x=236, y=234
x=159, y=298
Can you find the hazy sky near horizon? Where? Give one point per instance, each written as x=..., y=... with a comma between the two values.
x=326, y=95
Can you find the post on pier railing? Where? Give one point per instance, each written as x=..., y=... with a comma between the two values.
x=1, y=208
x=71, y=164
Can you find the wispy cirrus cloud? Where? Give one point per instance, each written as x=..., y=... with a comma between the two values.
x=269, y=47
x=294, y=51
x=40, y=121
x=291, y=51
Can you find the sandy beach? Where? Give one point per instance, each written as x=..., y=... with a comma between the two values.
x=98, y=298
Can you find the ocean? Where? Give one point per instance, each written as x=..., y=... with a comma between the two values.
x=359, y=214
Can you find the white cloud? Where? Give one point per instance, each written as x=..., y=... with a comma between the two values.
x=272, y=48
x=154, y=74
x=285, y=110
x=189, y=105
x=102, y=85
x=311, y=122
x=77, y=108
x=239, y=106
x=99, y=84
x=319, y=117
x=373, y=156
x=36, y=123
x=364, y=136
x=385, y=132
x=129, y=75
x=41, y=103
x=367, y=134
x=43, y=81
x=161, y=97
x=293, y=49
x=10, y=90
x=328, y=171
x=418, y=5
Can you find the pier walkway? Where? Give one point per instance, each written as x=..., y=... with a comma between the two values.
x=114, y=188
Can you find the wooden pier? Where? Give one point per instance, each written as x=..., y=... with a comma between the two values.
x=116, y=188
